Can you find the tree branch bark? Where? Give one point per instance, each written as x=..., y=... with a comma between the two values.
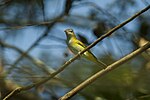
x=104, y=71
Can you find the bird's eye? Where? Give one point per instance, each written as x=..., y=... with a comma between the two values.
x=70, y=30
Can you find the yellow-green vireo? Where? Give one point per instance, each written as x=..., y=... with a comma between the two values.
x=76, y=46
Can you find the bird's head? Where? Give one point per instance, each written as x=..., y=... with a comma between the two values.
x=69, y=33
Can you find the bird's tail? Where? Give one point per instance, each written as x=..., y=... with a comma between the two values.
x=100, y=63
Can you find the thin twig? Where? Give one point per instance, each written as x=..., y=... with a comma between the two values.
x=33, y=45
x=145, y=2
x=5, y=2
x=36, y=62
x=103, y=72
x=32, y=24
x=76, y=56
x=68, y=6
x=113, y=18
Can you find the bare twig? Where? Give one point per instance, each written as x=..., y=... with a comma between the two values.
x=104, y=71
x=76, y=56
x=43, y=9
x=36, y=62
x=28, y=24
x=44, y=23
x=14, y=91
x=5, y=2
x=34, y=44
x=113, y=18
x=68, y=6
x=144, y=96
x=145, y=2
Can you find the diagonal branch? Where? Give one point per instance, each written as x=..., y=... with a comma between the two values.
x=104, y=71
x=18, y=90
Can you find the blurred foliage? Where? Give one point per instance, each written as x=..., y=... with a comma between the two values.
x=22, y=22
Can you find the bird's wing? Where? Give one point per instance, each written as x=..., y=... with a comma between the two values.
x=80, y=43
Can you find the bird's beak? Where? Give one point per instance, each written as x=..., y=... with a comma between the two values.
x=68, y=31
x=65, y=31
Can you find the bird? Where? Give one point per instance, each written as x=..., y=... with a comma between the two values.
x=77, y=46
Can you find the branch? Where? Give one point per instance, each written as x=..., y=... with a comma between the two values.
x=36, y=62
x=104, y=71
x=76, y=56
x=5, y=2
x=32, y=24
x=113, y=18
x=68, y=6
x=34, y=44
